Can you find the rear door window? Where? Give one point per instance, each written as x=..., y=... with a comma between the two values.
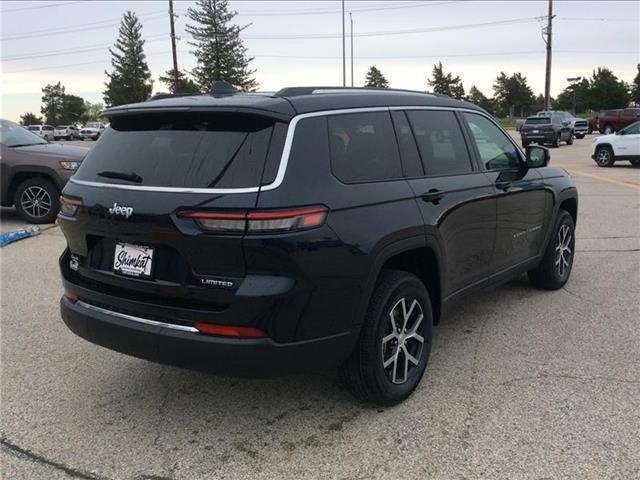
x=197, y=150
x=440, y=142
x=363, y=147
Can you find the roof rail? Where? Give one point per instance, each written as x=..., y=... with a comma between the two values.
x=161, y=95
x=297, y=91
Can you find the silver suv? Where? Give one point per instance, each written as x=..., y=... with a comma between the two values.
x=45, y=131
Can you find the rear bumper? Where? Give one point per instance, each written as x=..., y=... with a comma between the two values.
x=222, y=355
x=538, y=137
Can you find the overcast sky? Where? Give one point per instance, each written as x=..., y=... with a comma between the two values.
x=67, y=41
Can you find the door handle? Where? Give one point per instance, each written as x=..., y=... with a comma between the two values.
x=433, y=195
x=503, y=185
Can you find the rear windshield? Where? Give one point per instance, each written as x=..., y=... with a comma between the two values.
x=34, y=129
x=538, y=121
x=195, y=150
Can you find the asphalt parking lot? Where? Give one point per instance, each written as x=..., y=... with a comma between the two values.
x=521, y=383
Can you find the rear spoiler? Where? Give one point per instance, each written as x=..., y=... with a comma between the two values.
x=122, y=111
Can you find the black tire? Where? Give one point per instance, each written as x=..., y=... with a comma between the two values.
x=570, y=139
x=525, y=144
x=555, y=268
x=604, y=156
x=364, y=373
x=556, y=140
x=580, y=136
x=635, y=163
x=68, y=139
x=590, y=130
x=608, y=129
x=45, y=192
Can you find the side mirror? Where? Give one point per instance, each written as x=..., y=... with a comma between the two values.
x=537, y=156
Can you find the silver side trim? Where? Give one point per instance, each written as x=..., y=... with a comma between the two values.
x=173, y=326
x=284, y=159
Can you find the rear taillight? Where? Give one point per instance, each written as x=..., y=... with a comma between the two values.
x=72, y=297
x=69, y=206
x=259, y=222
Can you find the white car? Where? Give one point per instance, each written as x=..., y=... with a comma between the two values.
x=68, y=132
x=92, y=130
x=622, y=145
x=45, y=131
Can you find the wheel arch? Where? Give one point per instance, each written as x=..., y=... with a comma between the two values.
x=416, y=255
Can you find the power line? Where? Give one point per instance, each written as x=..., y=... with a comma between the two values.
x=38, y=7
x=290, y=12
x=393, y=32
x=375, y=57
x=79, y=28
x=88, y=48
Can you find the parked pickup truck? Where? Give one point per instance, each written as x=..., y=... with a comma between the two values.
x=610, y=121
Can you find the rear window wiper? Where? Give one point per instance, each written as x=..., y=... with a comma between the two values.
x=130, y=177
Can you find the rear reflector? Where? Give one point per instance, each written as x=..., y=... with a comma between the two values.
x=259, y=222
x=229, y=331
x=72, y=297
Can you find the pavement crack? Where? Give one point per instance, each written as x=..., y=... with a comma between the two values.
x=543, y=376
x=25, y=454
x=587, y=300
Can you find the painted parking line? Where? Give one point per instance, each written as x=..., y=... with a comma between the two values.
x=606, y=179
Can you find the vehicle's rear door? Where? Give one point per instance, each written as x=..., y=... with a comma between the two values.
x=456, y=199
x=173, y=187
x=523, y=206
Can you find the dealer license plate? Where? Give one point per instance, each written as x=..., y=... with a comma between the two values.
x=133, y=260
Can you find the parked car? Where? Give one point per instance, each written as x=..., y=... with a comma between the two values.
x=622, y=145
x=550, y=128
x=44, y=131
x=92, y=130
x=579, y=126
x=519, y=123
x=68, y=132
x=610, y=121
x=34, y=172
x=309, y=228
x=593, y=123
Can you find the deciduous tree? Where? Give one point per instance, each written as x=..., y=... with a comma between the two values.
x=52, y=102
x=478, y=98
x=30, y=118
x=512, y=95
x=607, y=91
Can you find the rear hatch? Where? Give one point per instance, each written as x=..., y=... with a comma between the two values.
x=537, y=125
x=130, y=234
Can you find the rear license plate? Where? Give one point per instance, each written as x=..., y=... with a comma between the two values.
x=536, y=131
x=133, y=260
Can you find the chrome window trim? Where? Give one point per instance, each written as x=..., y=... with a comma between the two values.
x=286, y=151
x=146, y=321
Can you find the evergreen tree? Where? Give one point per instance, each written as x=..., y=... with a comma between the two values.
x=185, y=83
x=219, y=51
x=52, y=103
x=606, y=91
x=582, y=90
x=30, y=119
x=479, y=98
x=130, y=81
x=445, y=83
x=512, y=95
x=375, y=78
x=635, y=88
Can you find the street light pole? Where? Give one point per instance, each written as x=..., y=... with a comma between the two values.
x=344, y=52
x=351, y=22
x=573, y=80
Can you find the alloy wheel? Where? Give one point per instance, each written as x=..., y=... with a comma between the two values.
x=402, y=343
x=36, y=201
x=563, y=250
x=603, y=157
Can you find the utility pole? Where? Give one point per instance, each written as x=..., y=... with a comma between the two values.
x=547, y=79
x=351, y=21
x=344, y=52
x=173, y=48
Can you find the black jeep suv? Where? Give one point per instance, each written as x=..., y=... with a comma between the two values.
x=313, y=227
x=550, y=128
